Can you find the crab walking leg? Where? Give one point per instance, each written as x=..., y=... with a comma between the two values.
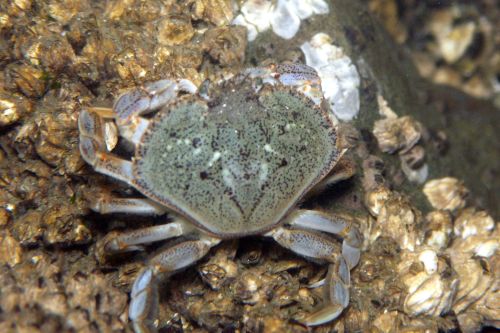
x=116, y=242
x=139, y=101
x=107, y=204
x=338, y=281
x=316, y=220
x=143, y=310
x=313, y=245
x=303, y=77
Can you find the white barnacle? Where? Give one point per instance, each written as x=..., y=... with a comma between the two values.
x=430, y=260
x=429, y=291
x=255, y=16
x=283, y=16
x=339, y=77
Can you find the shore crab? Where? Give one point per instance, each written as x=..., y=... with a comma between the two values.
x=233, y=162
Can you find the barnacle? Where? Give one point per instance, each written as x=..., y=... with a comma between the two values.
x=438, y=229
x=446, y=193
x=284, y=16
x=396, y=219
x=339, y=77
x=397, y=134
x=431, y=287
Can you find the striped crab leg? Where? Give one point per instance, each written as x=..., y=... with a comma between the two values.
x=305, y=240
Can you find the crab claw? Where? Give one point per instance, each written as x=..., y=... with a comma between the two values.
x=149, y=98
x=103, y=131
x=303, y=77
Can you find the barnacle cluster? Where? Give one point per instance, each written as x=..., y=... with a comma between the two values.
x=448, y=261
x=339, y=77
x=283, y=16
x=401, y=135
x=448, y=258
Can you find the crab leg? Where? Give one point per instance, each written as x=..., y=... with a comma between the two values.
x=316, y=220
x=303, y=77
x=316, y=246
x=116, y=242
x=107, y=204
x=143, y=310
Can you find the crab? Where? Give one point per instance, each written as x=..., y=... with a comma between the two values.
x=233, y=164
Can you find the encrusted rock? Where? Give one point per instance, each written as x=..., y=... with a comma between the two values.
x=220, y=269
x=226, y=45
x=175, y=30
x=64, y=227
x=218, y=12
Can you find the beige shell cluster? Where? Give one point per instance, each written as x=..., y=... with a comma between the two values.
x=400, y=135
x=449, y=260
x=449, y=257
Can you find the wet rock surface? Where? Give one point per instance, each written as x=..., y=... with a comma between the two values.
x=57, y=57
